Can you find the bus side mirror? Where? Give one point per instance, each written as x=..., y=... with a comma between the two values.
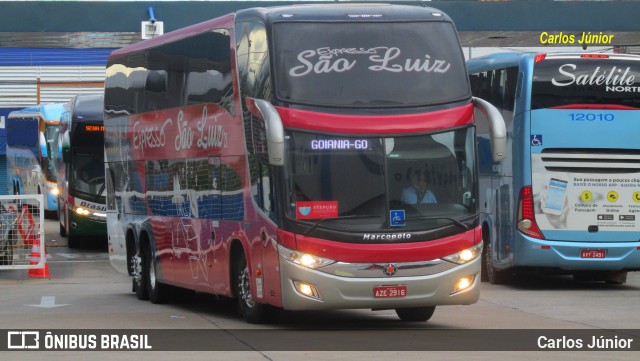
x=43, y=146
x=274, y=131
x=66, y=149
x=497, y=128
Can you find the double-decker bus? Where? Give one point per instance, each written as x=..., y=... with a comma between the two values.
x=30, y=135
x=81, y=206
x=566, y=197
x=263, y=156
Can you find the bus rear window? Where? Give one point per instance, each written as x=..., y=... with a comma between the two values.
x=376, y=64
x=561, y=83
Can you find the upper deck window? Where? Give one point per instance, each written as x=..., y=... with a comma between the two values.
x=373, y=64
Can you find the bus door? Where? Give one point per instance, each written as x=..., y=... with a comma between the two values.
x=262, y=233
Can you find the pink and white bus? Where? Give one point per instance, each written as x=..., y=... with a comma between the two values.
x=263, y=156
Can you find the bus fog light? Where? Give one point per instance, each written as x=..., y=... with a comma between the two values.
x=463, y=283
x=307, y=289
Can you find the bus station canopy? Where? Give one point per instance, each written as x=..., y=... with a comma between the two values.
x=113, y=24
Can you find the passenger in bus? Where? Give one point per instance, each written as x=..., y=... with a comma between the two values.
x=418, y=192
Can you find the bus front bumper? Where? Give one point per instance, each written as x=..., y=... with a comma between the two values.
x=82, y=226
x=344, y=292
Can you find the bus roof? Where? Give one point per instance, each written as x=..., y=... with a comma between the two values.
x=48, y=112
x=343, y=12
x=87, y=108
x=499, y=60
x=307, y=12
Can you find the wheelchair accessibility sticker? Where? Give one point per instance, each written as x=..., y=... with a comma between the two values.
x=396, y=218
x=536, y=140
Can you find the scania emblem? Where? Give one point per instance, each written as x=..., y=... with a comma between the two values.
x=390, y=269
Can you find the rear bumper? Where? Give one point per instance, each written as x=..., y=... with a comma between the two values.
x=533, y=252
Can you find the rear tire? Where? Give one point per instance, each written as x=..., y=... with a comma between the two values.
x=616, y=277
x=415, y=314
x=610, y=277
x=140, y=281
x=158, y=292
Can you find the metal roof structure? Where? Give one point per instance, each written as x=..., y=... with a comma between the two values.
x=113, y=24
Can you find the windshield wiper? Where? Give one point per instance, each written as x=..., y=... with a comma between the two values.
x=352, y=216
x=100, y=192
x=455, y=221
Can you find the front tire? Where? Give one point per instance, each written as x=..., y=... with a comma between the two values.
x=416, y=314
x=493, y=275
x=251, y=311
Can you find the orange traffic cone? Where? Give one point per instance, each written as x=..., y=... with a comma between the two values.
x=42, y=272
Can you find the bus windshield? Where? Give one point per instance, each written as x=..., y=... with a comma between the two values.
x=88, y=174
x=579, y=82
x=51, y=132
x=87, y=162
x=430, y=180
x=375, y=65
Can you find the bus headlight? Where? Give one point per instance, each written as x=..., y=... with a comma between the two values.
x=466, y=255
x=81, y=211
x=304, y=259
x=55, y=191
x=89, y=213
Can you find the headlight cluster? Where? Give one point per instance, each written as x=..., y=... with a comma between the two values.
x=466, y=255
x=87, y=212
x=304, y=259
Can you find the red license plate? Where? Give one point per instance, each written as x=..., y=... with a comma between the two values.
x=593, y=253
x=389, y=291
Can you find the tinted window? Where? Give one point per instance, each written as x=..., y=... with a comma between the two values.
x=369, y=64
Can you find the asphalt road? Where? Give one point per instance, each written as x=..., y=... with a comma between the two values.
x=85, y=293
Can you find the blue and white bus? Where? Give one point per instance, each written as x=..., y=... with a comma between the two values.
x=30, y=136
x=566, y=199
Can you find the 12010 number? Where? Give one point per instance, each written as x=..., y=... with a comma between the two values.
x=592, y=117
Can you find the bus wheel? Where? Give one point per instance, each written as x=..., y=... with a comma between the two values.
x=72, y=241
x=616, y=277
x=494, y=276
x=415, y=314
x=485, y=256
x=251, y=311
x=157, y=291
x=63, y=231
x=139, y=280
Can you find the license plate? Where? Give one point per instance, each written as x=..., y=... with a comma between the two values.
x=389, y=291
x=593, y=253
